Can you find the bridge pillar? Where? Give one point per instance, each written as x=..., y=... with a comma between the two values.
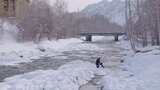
x=116, y=37
x=89, y=38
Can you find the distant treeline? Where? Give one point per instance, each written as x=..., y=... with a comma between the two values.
x=42, y=20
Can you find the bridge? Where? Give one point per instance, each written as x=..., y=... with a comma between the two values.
x=88, y=36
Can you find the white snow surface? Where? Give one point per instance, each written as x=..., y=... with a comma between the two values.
x=68, y=77
x=145, y=67
x=12, y=53
x=141, y=71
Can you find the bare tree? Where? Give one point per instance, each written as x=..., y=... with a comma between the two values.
x=129, y=23
x=143, y=22
x=1, y=28
x=37, y=21
x=60, y=12
x=60, y=7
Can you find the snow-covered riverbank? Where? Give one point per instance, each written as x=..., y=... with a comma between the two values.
x=138, y=72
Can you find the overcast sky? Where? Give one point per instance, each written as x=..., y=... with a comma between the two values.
x=75, y=5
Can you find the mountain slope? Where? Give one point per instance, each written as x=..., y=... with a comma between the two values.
x=114, y=10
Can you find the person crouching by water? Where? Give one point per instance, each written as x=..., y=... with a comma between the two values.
x=99, y=63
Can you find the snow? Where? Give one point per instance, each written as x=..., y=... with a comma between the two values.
x=68, y=77
x=123, y=43
x=146, y=67
x=139, y=72
x=117, y=83
x=12, y=53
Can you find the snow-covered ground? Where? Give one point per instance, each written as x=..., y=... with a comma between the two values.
x=13, y=53
x=68, y=77
x=139, y=71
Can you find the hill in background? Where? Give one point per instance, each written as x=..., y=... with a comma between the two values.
x=113, y=10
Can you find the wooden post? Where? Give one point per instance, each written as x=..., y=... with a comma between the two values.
x=89, y=38
x=116, y=37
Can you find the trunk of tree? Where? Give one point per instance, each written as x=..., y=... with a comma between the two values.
x=157, y=25
x=129, y=24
